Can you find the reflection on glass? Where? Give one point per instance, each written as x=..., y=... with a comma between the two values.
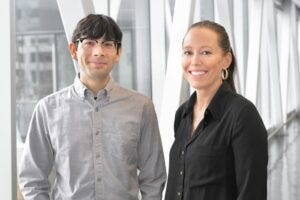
x=43, y=62
x=134, y=68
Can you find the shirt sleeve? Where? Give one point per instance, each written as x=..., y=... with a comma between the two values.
x=250, y=147
x=37, y=158
x=151, y=163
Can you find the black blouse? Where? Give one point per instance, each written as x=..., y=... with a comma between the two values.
x=226, y=158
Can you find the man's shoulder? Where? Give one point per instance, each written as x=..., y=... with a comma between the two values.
x=55, y=98
x=123, y=92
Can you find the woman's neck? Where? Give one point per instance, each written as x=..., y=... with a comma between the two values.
x=204, y=97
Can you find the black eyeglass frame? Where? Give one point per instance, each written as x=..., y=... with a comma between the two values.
x=117, y=43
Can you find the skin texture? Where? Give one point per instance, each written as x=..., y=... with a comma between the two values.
x=203, y=59
x=202, y=64
x=95, y=64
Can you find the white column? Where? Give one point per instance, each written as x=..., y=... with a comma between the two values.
x=158, y=51
x=255, y=8
x=263, y=96
x=272, y=49
x=71, y=11
x=101, y=6
x=224, y=16
x=7, y=103
x=183, y=14
x=142, y=45
x=294, y=60
x=204, y=10
x=240, y=17
x=283, y=33
x=108, y=7
x=114, y=8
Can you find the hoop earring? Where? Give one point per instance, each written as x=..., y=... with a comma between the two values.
x=224, y=74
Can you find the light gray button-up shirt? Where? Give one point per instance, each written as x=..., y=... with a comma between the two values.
x=104, y=148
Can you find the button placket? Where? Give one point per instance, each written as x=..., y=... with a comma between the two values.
x=97, y=150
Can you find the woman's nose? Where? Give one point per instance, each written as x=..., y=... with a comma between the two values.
x=196, y=59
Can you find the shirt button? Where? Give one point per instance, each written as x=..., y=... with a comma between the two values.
x=181, y=173
x=96, y=109
x=182, y=152
x=97, y=133
x=178, y=193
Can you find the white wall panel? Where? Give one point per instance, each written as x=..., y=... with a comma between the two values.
x=71, y=11
x=101, y=6
x=276, y=115
x=255, y=18
x=284, y=51
x=171, y=91
x=224, y=9
x=240, y=18
x=158, y=50
x=7, y=103
x=142, y=48
x=294, y=60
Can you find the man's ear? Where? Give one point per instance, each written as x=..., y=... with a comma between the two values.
x=73, y=50
x=118, y=55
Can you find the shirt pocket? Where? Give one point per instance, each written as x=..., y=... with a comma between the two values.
x=207, y=166
x=121, y=139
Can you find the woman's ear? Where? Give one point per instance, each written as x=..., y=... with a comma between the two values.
x=73, y=50
x=227, y=59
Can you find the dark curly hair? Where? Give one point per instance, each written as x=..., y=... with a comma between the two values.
x=96, y=26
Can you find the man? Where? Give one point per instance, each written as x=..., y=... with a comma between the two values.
x=102, y=140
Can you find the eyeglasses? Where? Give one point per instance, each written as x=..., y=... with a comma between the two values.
x=106, y=45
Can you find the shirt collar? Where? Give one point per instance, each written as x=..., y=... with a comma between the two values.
x=81, y=89
x=217, y=104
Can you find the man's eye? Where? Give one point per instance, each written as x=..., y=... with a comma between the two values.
x=108, y=44
x=89, y=42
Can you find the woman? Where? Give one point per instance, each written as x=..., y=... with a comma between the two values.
x=220, y=149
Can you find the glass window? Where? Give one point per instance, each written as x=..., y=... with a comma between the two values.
x=42, y=57
x=134, y=68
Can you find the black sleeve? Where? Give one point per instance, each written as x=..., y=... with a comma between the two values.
x=250, y=148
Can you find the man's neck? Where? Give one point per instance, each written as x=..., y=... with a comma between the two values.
x=95, y=85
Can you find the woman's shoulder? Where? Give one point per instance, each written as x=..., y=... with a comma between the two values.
x=238, y=102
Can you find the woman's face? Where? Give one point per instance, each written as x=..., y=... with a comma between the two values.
x=203, y=59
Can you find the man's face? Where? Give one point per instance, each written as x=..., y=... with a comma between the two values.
x=96, y=58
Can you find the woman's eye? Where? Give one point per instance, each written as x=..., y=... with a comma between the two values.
x=205, y=52
x=187, y=53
